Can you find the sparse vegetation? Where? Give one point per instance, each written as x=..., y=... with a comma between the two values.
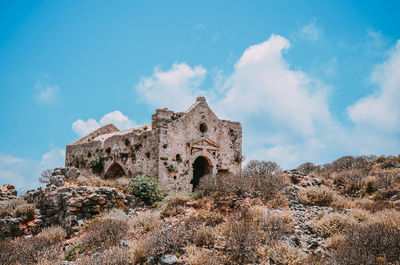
x=342, y=213
x=146, y=188
x=321, y=196
x=174, y=204
x=96, y=164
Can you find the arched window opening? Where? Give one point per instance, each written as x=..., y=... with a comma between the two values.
x=201, y=167
x=114, y=171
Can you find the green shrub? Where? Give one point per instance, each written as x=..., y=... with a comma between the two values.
x=146, y=188
x=96, y=164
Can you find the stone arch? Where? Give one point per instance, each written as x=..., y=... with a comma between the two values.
x=202, y=164
x=114, y=171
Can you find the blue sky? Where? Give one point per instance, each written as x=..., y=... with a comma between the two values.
x=309, y=80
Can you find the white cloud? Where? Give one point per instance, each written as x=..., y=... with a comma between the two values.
x=311, y=31
x=263, y=85
x=45, y=91
x=25, y=173
x=284, y=112
x=116, y=117
x=175, y=88
x=380, y=111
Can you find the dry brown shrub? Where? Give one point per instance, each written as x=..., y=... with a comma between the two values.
x=269, y=186
x=348, y=181
x=199, y=256
x=26, y=210
x=370, y=184
x=321, y=196
x=105, y=232
x=279, y=200
x=168, y=239
x=365, y=244
x=174, y=204
x=53, y=233
x=277, y=224
x=4, y=212
x=261, y=168
x=242, y=237
x=204, y=236
x=33, y=250
x=307, y=168
x=112, y=256
x=332, y=224
x=146, y=222
x=387, y=217
x=360, y=215
x=207, y=218
x=282, y=253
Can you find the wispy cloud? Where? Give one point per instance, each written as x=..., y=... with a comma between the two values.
x=24, y=173
x=311, y=31
x=46, y=91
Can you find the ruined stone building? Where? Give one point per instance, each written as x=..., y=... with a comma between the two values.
x=178, y=148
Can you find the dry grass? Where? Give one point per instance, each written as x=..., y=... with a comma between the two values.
x=112, y=256
x=204, y=236
x=199, y=256
x=95, y=181
x=5, y=212
x=106, y=231
x=207, y=218
x=146, y=222
x=360, y=215
x=282, y=253
x=25, y=210
x=387, y=217
x=174, y=204
x=321, y=196
x=53, y=233
x=332, y=224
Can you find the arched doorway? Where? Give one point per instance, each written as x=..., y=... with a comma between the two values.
x=114, y=171
x=201, y=167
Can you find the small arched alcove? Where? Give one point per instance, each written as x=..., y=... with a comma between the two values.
x=114, y=171
x=201, y=167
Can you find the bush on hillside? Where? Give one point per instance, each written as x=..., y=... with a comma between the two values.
x=320, y=196
x=146, y=188
x=307, y=168
x=261, y=168
x=174, y=204
x=368, y=244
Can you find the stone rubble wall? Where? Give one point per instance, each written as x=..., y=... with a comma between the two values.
x=8, y=192
x=67, y=206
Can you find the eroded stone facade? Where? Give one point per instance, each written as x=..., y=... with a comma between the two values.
x=179, y=148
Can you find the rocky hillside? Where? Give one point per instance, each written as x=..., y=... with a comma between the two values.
x=345, y=212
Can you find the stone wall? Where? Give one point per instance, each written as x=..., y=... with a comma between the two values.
x=70, y=206
x=182, y=141
x=166, y=149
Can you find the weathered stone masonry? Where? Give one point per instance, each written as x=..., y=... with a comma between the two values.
x=178, y=147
